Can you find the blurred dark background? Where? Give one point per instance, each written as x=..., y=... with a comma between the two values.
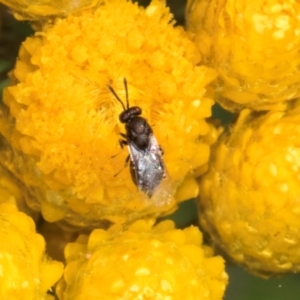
x=242, y=285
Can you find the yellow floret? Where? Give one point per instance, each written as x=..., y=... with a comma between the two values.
x=249, y=199
x=25, y=272
x=254, y=46
x=62, y=127
x=142, y=263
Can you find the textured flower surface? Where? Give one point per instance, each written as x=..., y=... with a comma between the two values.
x=25, y=271
x=143, y=262
x=254, y=45
x=250, y=196
x=61, y=122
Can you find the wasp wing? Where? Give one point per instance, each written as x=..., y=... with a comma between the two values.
x=149, y=173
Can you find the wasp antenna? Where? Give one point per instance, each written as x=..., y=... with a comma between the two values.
x=117, y=97
x=126, y=91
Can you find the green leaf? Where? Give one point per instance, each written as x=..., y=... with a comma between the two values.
x=3, y=84
x=4, y=65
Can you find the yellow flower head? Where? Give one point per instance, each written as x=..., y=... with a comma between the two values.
x=143, y=263
x=250, y=196
x=254, y=46
x=25, y=272
x=63, y=122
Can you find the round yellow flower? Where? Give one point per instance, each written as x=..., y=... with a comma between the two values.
x=254, y=46
x=25, y=272
x=142, y=263
x=61, y=121
x=249, y=200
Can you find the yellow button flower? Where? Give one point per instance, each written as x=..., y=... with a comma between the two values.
x=143, y=262
x=61, y=121
x=25, y=272
x=254, y=46
x=249, y=199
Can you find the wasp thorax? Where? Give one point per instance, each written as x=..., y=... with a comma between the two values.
x=127, y=114
x=139, y=132
x=139, y=125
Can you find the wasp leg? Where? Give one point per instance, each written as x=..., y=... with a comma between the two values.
x=127, y=161
x=52, y=293
x=126, y=164
x=123, y=142
x=161, y=150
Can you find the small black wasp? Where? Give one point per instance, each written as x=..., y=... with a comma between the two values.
x=147, y=168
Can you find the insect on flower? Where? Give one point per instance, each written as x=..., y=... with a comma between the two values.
x=147, y=168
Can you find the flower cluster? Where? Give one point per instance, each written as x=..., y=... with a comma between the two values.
x=60, y=129
x=249, y=198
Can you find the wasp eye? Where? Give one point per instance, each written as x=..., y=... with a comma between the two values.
x=124, y=116
x=135, y=110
